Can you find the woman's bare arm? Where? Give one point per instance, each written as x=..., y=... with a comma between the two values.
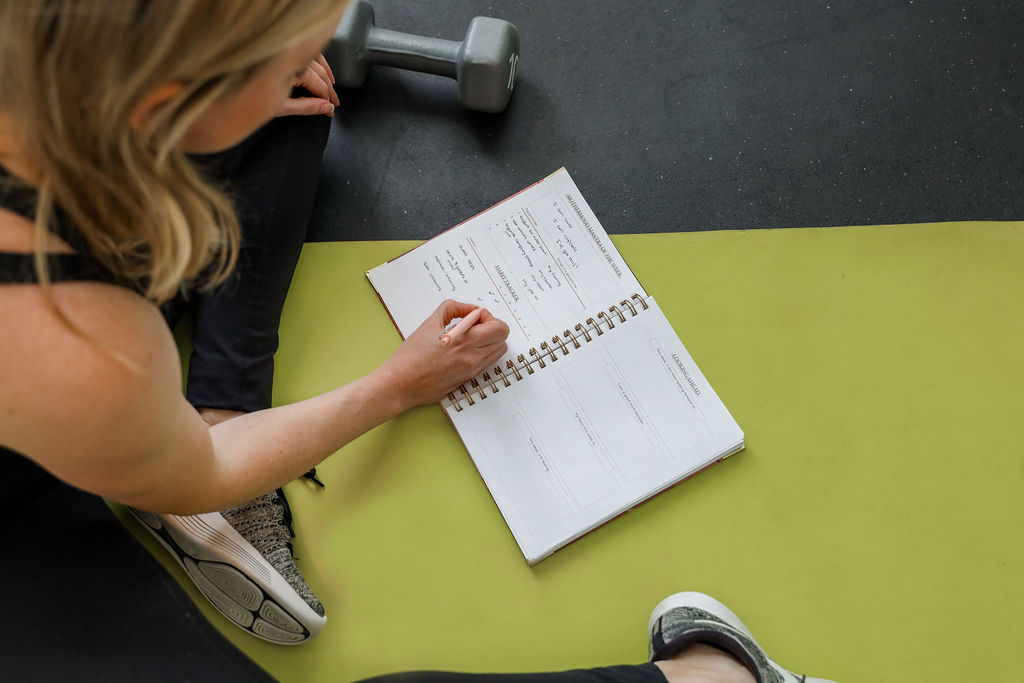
x=131, y=436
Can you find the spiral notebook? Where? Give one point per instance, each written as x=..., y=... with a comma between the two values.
x=597, y=406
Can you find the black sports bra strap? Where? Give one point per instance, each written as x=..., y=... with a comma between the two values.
x=22, y=199
x=19, y=268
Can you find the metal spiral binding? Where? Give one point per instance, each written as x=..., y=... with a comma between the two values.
x=606, y=318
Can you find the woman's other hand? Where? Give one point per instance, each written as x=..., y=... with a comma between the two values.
x=318, y=79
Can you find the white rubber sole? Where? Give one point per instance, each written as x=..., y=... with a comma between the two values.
x=709, y=604
x=234, y=577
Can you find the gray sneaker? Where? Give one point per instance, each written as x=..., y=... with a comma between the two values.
x=241, y=560
x=683, y=619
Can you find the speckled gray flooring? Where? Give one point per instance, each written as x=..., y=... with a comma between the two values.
x=703, y=115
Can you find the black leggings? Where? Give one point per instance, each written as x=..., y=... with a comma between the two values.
x=83, y=600
x=642, y=673
x=272, y=178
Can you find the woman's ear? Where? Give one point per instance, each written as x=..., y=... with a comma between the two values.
x=144, y=110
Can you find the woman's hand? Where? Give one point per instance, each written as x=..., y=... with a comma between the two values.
x=318, y=79
x=425, y=370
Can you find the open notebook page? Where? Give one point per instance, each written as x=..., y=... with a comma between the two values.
x=539, y=261
x=593, y=434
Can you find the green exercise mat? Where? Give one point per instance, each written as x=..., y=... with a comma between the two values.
x=869, y=532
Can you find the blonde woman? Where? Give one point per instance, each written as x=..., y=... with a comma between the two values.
x=141, y=166
x=105, y=218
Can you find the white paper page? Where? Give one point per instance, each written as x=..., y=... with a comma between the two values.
x=540, y=261
x=594, y=433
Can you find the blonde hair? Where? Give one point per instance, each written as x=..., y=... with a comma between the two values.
x=71, y=74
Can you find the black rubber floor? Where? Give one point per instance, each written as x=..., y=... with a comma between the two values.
x=698, y=115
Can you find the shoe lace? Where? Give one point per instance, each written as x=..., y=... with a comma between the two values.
x=311, y=475
x=286, y=509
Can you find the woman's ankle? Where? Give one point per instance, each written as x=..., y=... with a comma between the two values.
x=214, y=416
x=700, y=663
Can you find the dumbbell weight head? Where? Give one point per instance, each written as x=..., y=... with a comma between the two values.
x=347, y=52
x=484, y=64
x=487, y=64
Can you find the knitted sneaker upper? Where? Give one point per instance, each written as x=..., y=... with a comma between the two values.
x=266, y=523
x=683, y=626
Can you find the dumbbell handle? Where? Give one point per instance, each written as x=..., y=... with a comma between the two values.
x=408, y=51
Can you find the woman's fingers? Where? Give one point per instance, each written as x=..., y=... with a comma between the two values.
x=322, y=61
x=489, y=330
x=449, y=310
x=306, y=106
x=319, y=82
x=318, y=79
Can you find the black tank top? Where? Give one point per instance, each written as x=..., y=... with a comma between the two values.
x=20, y=478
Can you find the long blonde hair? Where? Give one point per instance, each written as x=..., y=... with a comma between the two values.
x=71, y=74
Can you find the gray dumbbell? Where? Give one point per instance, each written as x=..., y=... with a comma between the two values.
x=484, y=64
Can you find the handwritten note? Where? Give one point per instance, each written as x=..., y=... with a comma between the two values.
x=536, y=261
